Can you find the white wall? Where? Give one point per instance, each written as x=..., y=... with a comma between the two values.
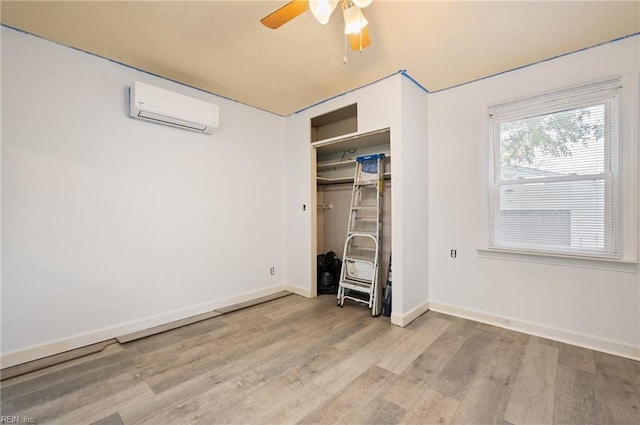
x=413, y=171
x=588, y=303
x=111, y=224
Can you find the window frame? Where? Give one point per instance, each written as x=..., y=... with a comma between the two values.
x=607, y=92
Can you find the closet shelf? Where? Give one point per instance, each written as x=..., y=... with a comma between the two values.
x=339, y=180
x=333, y=164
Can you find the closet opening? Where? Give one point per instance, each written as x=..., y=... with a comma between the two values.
x=334, y=163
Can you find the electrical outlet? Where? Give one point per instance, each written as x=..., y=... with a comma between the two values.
x=272, y=271
x=454, y=253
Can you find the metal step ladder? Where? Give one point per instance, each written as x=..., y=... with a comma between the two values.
x=359, y=278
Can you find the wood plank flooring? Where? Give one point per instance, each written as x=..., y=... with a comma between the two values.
x=305, y=361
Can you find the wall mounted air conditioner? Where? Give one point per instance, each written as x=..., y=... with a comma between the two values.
x=166, y=107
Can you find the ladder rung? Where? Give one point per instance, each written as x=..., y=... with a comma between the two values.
x=365, y=207
x=361, y=279
x=356, y=299
x=363, y=257
x=362, y=232
x=361, y=254
x=365, y=218
x=356, y=286
x=357, y=243
x=359, y=258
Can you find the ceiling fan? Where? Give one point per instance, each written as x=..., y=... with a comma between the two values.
x=355, y=23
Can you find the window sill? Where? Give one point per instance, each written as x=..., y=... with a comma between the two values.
x=626, y=266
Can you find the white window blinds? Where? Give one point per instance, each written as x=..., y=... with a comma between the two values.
x=554, y=172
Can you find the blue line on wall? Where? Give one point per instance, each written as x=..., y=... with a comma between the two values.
x=538, y=62
x=402, y=72
x=140, y=70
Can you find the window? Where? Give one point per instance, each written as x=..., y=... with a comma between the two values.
x=555, y=173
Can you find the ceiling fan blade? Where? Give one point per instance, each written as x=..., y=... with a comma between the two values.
x=354, y=39
x=285, y=13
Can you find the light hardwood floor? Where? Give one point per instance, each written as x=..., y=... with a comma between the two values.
x=306, y=361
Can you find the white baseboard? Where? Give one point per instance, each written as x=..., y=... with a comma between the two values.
x=137, y=327
x=587, y=341
x=413, y=314
x=304, y=292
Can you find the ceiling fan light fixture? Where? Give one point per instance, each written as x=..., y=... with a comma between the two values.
x=322, y=9
x=354, y=20
x=362, y=3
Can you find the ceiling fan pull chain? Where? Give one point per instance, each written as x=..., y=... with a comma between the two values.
x=360, y=33
x=346, y=60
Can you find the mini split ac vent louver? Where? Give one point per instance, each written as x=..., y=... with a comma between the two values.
x=162, y=106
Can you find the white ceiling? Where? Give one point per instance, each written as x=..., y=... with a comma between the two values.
x=221, y=47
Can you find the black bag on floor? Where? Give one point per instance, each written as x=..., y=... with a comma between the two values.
x=327, y=274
